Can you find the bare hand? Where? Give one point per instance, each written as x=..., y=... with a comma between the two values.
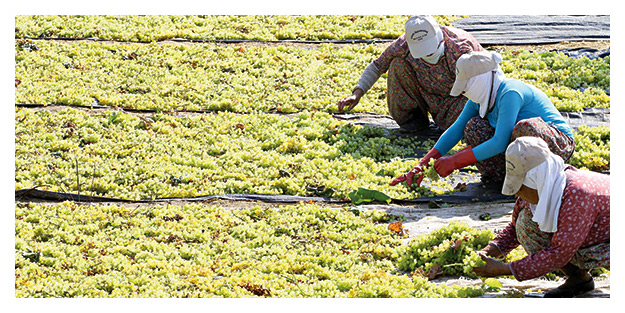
x=350, y=101
x=493, y=268
x=492, y=251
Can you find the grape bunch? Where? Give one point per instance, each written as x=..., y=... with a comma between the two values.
x=215, y=27
x=430, y=172
x=470, y=261
x=167, y=251
x=450, y=248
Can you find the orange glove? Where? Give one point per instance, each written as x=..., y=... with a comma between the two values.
x=417, y=170
x=447, y=164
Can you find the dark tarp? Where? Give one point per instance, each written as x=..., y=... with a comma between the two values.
x=590, y=116
x=474, y=192
x=535, y=29
x=585, y=52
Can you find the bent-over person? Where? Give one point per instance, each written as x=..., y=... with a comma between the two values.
x=562, y=220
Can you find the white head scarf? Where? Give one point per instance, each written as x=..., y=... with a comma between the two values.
x=436, y=56
x=549, y=180
x=479, y=90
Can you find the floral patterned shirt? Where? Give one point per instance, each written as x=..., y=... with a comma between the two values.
x=436, y=79
x=583, y=221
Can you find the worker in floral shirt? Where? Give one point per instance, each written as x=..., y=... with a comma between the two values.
x=562, y=220
x=421, y=67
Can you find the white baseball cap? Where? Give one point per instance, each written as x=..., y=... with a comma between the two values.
x=472, y=64
x=522, y=155
x=422, y=35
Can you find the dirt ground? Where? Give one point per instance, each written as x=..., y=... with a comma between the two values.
x=599, y=45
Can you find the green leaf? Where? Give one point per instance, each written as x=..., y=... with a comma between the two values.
x=355, y=212
x=493, y=283
x=363, y=195
x=32, y=256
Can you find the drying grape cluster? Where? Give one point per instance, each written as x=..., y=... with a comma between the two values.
x=71, y=250
x=133, y=157
x=449, y=250
x=237, y=78
x=215, y=27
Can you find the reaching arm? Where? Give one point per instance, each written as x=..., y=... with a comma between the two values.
x=456, y=131
x=370, y=75
x=506, y=240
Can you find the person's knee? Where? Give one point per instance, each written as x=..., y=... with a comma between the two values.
x=525, y=127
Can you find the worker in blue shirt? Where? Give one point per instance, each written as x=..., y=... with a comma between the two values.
x=499, y=110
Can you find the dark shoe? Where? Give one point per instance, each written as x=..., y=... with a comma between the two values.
x=570, y=291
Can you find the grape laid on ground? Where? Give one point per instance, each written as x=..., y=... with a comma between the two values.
x=69, y=250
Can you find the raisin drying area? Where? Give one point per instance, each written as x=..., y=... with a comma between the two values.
x=480, y=204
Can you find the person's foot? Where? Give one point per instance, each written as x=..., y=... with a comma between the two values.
x=571, y=288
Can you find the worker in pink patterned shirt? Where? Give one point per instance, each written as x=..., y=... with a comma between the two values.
x=562, y=219
x=421, y=67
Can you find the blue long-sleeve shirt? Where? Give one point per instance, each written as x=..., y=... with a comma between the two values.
x=515, y=101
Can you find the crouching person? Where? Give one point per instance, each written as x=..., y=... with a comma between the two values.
x=561, y=218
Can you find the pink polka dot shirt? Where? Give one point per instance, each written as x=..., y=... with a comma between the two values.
x=583, y=221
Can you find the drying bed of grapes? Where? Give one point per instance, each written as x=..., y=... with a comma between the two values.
x=239, y=78
x=174, y=77
x=215, y=27
x=132, y=157
x=71, y=250
x=136, y=157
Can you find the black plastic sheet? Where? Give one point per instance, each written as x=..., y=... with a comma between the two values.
x=535, y=29
x=27, y=195
x=590, y=116
x=585, y=52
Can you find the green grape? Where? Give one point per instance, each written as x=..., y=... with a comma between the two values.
x=215, y=27
x=203, y=77
x=471, y=261
x=592, y=148
x=287, y=79
x=560, y=77
x=430, y=172
x=156, y=156
x=199, y=250
x=448, y=247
